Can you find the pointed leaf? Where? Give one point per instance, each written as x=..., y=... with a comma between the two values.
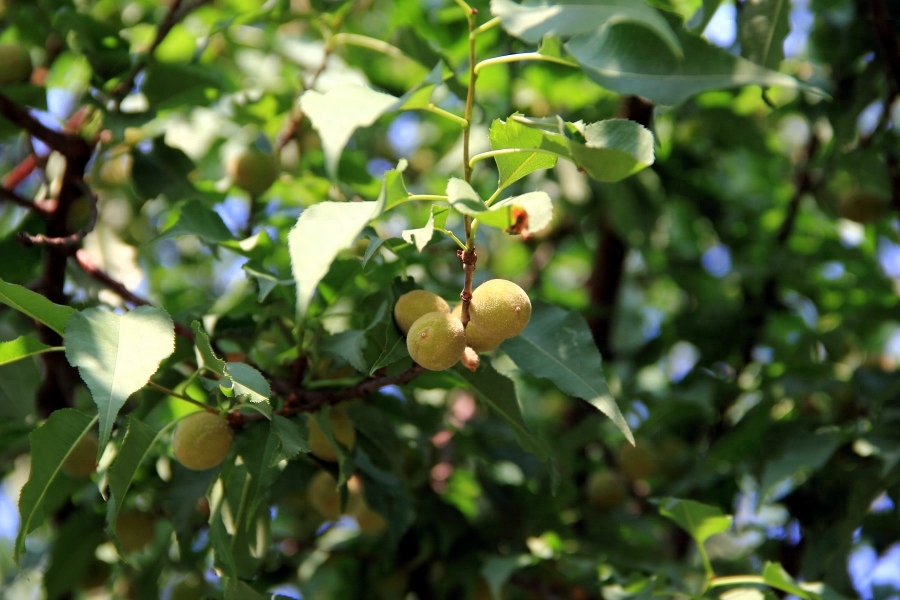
x=420, y=237
x=349, y=346
x=248, y=381
x=762, y=29
x=499, y=393
x=807, y=452
x=622, y=59
x=22, y=347
x=35, y=306
x=558, y=345
x=337, y=113
x=196, y=219
x=613, y=149
x=463, y=197
x=292, y=434
x=701, y=521
x=565, y=18
x=51, y=444
x=775, y=576
x=117, y=354
x=321, y=232
x=513, y=134
x=139, y=439
x=207, y=356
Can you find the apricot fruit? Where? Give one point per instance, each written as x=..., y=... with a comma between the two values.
x=436, y=340
x=82, y=460
x=15, y=64
x=500, y=309
x=412, y=305
x=605, y=490
x=862, y=206
x=476, y=338
x=134, y=529
x=636, y=462
x=202, y=440
x=341, y=428
x=253, y=171
x=324, y=496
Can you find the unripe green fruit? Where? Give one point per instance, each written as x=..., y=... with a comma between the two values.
x=134, y=529
x=436, y=341
x=500, y=309
x=605, y=491
x=862, y=206
x=412, y=305
x=202, y=440
x=476, y=338
x=341, y=428
x=15, y=64
x=324, y=496
x=82, y=460
x=254, y=171
x=636, y=462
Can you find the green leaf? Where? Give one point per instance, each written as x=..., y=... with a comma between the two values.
x=235, y=589
x=117, y=354
x=207, y=356
x=622, y=59
x=805, y=453
x=701, y=18
x=248, y=382
x=339, y=112
x=139, y=440
x=321, y=232
x=565, y=18
x=51, y=443
x=701, y=521
x=162, y=170
x=775, y=576
x=292, y=434
x=499, y=393
x=513, y=134
x=465, y=200
x=420, y=237
x=18, y=383
x=558, y=345
x=347, y=345
x=762, y=29
x=169, y=85
x=537, y=205
x=72, y=555
x=613, y=149
x=196, y=219
x=35, y=306
x=23, y=347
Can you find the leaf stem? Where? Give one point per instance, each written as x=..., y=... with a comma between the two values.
x=486, y=26
x=175, y=394
x=452, y=236
x=737, y=580
x=441, y=113
x=412, y=197
x=364, y=41
x=502, y=151
x=525, y=56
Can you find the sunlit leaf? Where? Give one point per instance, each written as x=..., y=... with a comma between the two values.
x=511, y=134
x=248, y=381
x=35, y=306
x=22, y=347
x=538, y=208
x=321, y=232
x=775, y=576
x=558, y=345
x=117, y=354
x=701, y=521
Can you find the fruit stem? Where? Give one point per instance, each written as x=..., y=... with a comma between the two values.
x=467, y=255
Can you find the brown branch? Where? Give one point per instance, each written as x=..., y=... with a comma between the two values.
x=890, y=46
x=20, y=172
x=66, y=241
x=83, y=260
x=69, y=145
x=11, y=196
x=468, y=259
x=176, y=13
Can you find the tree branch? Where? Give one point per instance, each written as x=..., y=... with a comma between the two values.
x=881, y=20
x=66, y=241
x=11, y=196
x=69, y=145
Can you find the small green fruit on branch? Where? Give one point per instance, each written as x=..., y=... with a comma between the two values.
x=15, y=64
x=202, y=440
x=412, y=305
x=436, y=340
x=253, y=171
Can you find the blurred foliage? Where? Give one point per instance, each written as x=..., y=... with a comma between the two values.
x=743, y=290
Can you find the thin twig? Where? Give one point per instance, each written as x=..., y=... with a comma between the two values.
x=83, y=260
x=67, y=241
x=11, y=196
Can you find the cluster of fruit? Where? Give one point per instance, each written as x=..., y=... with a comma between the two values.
x=436, y=337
